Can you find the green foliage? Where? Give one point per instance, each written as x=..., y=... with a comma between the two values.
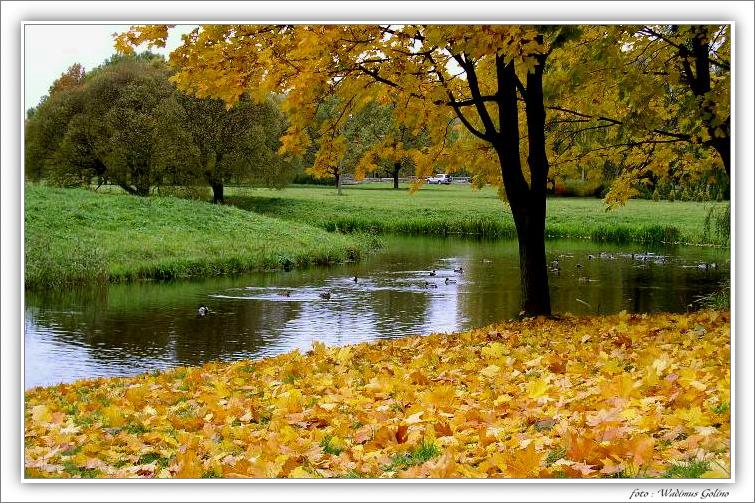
x=124, y=122
x=75, y=236
x=718, y=223
x=239, y=144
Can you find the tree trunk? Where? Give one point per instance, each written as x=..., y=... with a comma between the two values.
x=338, y=183
x=533, y=272
x=217, y=192
x=699, y=82
x=396, y=169
x=527, y=201
x=723, y=147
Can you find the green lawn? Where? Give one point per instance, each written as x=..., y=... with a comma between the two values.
x=457, y=209
x=79, y=236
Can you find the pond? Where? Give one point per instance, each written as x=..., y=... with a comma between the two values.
x=134, y=328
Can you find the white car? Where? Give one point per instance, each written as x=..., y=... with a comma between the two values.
x=440, y=178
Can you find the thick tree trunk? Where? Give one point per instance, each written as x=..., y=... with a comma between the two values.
x=217, y=192
x=527, y=201
x=533, y=272
x=396, y=170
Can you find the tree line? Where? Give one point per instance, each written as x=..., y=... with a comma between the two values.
x=125, y=123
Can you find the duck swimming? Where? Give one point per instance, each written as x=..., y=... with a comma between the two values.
x=432, y=273
x=203, y=310
x=430, y=285
x=459, y=270
x=450, y=281
x=325, y=295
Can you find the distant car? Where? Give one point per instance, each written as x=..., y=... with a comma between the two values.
x=440, y=178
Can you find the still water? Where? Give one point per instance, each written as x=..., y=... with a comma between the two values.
x=129, y=329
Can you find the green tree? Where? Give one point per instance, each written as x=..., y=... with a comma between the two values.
x=45, y=124
x=240, y=143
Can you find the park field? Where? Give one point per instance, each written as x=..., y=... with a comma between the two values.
x=77, y=236
x=620, y=396
x=460, y=210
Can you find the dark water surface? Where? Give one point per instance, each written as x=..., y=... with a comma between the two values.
x=129, y=329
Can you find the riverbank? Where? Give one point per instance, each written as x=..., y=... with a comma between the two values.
x=459, y=210
x=76, y=236
x=614, y=396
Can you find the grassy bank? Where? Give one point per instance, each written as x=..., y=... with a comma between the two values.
x=457, y=209
x=78, y=236
x=615, y=396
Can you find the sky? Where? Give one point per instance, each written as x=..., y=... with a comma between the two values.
x=49, y=49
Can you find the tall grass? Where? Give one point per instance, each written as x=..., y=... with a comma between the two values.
x=75, y=236
x=459, y=210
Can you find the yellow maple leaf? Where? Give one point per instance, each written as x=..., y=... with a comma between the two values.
x=537, y=388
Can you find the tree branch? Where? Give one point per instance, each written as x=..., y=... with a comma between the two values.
x=474, y=87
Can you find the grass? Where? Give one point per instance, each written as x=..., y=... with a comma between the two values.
x=719, y=299
x=459, y=210
x=423, y=452
x=687, y=470
x=75, y=236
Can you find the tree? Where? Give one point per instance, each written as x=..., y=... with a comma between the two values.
x=45, y=124
x=437, y=78
x=335, y=151
x=133, y=101
x=237, y=143
x=107, y=124
x=72, y=77
x=652, y=100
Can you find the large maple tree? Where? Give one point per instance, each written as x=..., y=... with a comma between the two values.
x=482, y=86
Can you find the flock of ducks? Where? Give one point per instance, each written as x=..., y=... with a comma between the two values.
x=554, y=268
x=643, y=258
x=447, y=280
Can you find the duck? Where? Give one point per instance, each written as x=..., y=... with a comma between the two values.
x=579, y=266
x=356, y=280
x=590, y=257
x=459, y=270
x=432, y=273
x=450, y=281
x=554, y=264
x=430, y=285
x=203, y=311
x=325, y=295
x=285, y=293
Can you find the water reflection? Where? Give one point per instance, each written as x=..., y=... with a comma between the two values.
x=129, y=329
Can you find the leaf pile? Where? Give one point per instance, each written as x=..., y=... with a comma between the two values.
x=614, y=396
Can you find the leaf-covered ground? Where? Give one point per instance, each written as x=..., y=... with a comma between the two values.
x=615, y=396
